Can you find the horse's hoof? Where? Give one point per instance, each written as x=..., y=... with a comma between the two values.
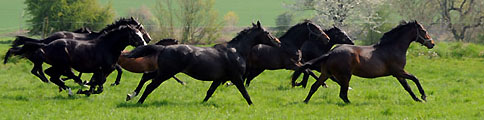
x=228, y=84
x=60, y=89
x=424, y=98
x=114, y=84
x=129, y=97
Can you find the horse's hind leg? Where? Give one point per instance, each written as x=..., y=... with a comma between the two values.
x=212, y=89
x=407, y=88
x=142, y=82
x=77, y=79
x=240, y=86
x=315, y=87
x=37, y=71
x=344, y=83
x=160, y=78
x=251, y=75
x=55, y=78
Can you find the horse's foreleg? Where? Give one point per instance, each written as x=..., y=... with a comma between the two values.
x=118, y=77
x=76, y=79
x=212, y=89
x=240, y=86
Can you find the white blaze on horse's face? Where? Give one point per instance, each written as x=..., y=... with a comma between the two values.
x=140, y=35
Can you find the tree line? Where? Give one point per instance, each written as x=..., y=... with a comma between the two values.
x=197, y=22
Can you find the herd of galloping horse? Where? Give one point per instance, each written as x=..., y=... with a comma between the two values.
x=303, y=48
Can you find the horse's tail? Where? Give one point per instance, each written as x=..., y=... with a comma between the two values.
x=28, y=47
x=20, y=40
x=307, y=65
x=7, y=55
x=143, y=51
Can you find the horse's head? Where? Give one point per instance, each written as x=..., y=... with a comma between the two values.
x=167, y=41
x=316, y=33
x=338, y=36
x=422, y=36
x=135, y=36
x=141, y=28
x=262, y=36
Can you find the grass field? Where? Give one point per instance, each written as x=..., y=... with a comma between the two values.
x=247, y=10
x=454, y=87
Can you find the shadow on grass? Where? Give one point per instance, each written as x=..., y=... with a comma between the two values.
x=66, y=97
x=164, y=103
x=16, y=98
x=135, y=104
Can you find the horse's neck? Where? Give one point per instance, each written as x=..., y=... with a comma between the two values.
x=113, y=43
x=294, y=40
x=242, y=47
x=400, y=45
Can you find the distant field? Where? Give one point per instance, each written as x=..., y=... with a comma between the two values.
x=454, y=87
x=247, y=10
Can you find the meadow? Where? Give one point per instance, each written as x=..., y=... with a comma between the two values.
x=453, y=83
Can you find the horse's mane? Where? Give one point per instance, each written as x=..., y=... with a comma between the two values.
x=242, y=33
x=295, y=27
x=389, y=36
x=119, y=28
x=121, y=21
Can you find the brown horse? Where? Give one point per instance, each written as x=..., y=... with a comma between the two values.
x=147, y=65
x=382, y=59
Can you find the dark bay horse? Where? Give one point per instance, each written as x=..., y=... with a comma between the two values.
x=147, y=64
x=388, y=57
x=97, y=56
x=80, y=34
x=288, y=56
x=219, y=63
x=314, y=49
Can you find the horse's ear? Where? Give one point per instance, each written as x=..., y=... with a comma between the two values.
x=253, y=25
x=258, y=24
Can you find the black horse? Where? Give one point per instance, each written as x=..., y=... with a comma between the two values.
x=219, y=63
x=87, y=34
x=382, y=59
x=96, y=56
x=313, y=49
x=80, y=34
x=288, y=56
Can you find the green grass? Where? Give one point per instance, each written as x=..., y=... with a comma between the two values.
x=454, y=88
x=248, y=10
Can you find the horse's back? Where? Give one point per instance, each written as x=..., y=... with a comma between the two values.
x=363, y=61
x=198, y=62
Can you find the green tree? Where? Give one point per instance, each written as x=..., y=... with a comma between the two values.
x=46, y=16
x=283, y=23
x=198, y=20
